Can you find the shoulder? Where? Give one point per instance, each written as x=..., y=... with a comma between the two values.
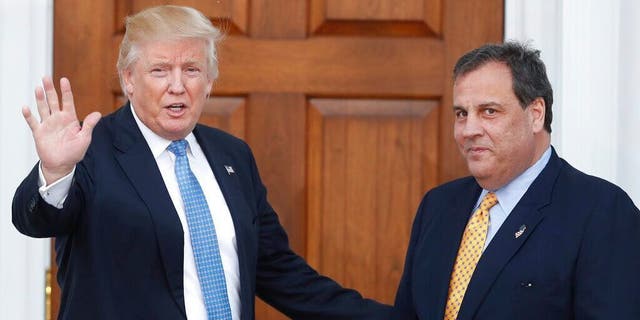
x=457, y=192
x=220, y=140
x=207, y=131
x=576, y=189
x=120, y=121
x=572, y=180
x=453, y=189
x=224, y=147
x=438, y=201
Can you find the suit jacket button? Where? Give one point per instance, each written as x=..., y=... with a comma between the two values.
x=32, y=204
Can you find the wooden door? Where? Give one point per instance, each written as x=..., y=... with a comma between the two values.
x=346, y=104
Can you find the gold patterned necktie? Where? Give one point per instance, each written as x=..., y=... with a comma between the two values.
x=469, y=253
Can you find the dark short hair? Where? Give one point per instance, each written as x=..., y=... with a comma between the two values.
x=529, y=73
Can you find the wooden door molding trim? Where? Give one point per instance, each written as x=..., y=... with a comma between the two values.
x=373, y=107
x=422, y=23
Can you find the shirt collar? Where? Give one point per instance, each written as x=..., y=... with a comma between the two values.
x=511, y=193
x=156, y=143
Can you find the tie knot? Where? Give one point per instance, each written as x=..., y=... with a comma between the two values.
x=489, y=201
x=178, y=147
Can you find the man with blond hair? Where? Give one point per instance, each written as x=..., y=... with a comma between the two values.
x=156, y=216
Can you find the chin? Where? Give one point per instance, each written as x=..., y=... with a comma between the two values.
x=179, y=130
x=479, y=172
x=173, y=134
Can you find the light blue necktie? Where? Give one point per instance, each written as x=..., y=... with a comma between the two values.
x=203, y=237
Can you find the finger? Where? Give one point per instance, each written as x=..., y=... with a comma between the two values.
x=31, y=120
x=41, y=103
x=51, y=94
x=89, y=123
x=67, y=95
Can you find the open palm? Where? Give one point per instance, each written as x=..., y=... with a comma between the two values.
x=60, y=140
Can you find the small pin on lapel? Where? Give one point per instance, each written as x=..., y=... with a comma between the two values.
x=520, y=231
x=229, y=170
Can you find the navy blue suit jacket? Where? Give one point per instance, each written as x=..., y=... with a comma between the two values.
x=119, y=242
x=578, y=257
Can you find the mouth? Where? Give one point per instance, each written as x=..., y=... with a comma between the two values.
x=176, y=109
x=476, y=150
x=176, y=106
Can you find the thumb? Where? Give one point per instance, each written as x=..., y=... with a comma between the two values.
x=90, y=122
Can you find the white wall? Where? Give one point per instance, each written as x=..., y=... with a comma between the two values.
x=25, y=56
x=592, y=50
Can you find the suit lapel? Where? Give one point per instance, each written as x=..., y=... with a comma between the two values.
x=445, y=241
x=135, y=158
x=505, y=243
x=227, y=173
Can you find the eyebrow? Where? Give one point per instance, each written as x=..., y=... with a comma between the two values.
x=159, y=63
x=165, y=63
x=193, y=62
x=482, y=105
x=489, y=104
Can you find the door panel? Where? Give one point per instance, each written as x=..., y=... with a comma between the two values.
x=346, y=105
x=368, y=163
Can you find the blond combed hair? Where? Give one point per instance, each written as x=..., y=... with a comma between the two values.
x=167, y=22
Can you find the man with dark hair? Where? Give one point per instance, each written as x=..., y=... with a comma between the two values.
x=527, y=69
x=527, y=236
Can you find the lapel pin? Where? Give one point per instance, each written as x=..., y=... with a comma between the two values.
x=520, y=231
x=229, y=170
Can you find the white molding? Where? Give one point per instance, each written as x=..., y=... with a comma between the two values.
x=590, y=97
x=591, y=49
x=628, y=171
x=25, y=56
x=539, y=23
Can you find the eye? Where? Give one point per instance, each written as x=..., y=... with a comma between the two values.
x=192, y=70
x=158, y=72
x=460, y=114
x=490, y=111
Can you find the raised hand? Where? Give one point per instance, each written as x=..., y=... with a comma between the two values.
x=60, y=140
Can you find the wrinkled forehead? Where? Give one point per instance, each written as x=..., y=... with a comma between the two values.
x=188, y=50
x=487, y=69
x=490, y=82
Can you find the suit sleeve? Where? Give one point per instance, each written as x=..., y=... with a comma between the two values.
x=34, y=217
x=608, y=266
x=287, y=282
x=404, y=307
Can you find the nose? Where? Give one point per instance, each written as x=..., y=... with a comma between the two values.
x=471, y=127
x=176, y=84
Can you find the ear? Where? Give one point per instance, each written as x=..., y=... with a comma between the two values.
x=209, y=87
x=536, y=110
x=127, y=78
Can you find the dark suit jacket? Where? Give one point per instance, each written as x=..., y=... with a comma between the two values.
x=578, y=257
x=119, y=241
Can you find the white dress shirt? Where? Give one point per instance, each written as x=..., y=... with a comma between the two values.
x=56, y=193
